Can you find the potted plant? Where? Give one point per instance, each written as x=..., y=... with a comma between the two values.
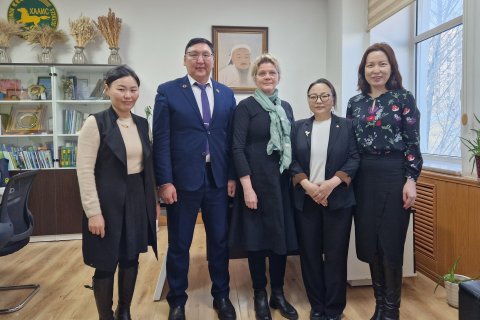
x=473, y=145
x=451, y=281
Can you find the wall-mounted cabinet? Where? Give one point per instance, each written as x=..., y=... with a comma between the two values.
x=42, y=108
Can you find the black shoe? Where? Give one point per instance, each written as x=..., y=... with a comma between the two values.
x=278, y=301
x=224, y=308
x=260, y=303
x=177, y=313
x=316, y=315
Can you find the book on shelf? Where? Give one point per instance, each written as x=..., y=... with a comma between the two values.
x=73, y=120
x=26, y=157
x=67, y=155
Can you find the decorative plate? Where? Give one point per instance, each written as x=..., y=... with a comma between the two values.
x=35, y=91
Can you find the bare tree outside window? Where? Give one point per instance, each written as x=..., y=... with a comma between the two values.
x=439, y=76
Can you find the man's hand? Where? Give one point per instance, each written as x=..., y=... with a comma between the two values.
x=231, y=187
x=168, y=193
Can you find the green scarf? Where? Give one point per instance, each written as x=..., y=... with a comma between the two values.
x=279, y=127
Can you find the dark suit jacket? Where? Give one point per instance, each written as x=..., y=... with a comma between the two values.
x=342, y=160
x=180, y=138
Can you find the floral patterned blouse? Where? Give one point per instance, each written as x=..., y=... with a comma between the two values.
x=388, y=123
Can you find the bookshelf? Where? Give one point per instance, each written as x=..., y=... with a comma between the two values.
x=42, y=108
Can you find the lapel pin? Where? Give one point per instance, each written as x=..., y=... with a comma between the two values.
x=307, y=133
x=184, y=86
x=218, y=91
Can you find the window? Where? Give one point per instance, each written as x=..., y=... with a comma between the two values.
x=439, y=76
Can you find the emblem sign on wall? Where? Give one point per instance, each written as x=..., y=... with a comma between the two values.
x=33, y=13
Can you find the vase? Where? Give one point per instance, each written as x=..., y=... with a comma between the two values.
x=452, y=290
x=4, y=57
x=114, y=57
x=79, y=56
x=46, y=56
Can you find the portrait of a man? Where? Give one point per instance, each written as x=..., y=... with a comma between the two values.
x=235, y=50
x=237, y=73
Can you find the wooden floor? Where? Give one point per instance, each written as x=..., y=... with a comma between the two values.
x=58, y=268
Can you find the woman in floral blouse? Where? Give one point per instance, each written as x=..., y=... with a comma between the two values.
x=386, y=122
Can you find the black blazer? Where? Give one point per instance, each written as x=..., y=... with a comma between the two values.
x=343, y=160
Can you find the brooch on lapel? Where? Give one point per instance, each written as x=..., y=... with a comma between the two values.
x=307, y=133
x=218, y=91
x=184, y=86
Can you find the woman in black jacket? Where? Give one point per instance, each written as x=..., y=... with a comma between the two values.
x=325, y=160
x=115, y=175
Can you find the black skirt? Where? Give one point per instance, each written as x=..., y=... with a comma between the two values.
x=381, y=223
x=126, y=232
x=272, y=226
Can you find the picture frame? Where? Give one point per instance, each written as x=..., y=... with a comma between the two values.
x=97, y=92
x=13, y=94
x=26, y=119
x=47, y=83
x=236, y=48
x=6, y=84
x=82, y=89
x=73, y=80
x=36, y=92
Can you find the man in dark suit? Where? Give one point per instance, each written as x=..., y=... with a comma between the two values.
x=191, y=144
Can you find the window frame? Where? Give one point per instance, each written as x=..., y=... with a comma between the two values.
x=439, y=163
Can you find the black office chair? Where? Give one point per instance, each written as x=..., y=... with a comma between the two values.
x=16, y=226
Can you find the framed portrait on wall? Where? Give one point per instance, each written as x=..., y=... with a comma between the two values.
x=235, y=50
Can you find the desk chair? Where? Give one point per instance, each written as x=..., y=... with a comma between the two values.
x=16, y=226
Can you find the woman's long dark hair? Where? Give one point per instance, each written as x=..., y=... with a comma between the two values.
x=395, y=80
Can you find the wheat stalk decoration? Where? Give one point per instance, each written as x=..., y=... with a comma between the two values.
x=83, y=30
x=110, y=27
x=7, y=31
x=45, y=36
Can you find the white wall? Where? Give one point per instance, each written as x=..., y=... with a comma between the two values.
x=154, y=35
x=347, y=40
x=471, y=70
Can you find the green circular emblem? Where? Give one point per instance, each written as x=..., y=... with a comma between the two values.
x=33, y=13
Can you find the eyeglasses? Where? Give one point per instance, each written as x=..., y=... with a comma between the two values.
x=263, y=74
x=323, y=97
x=194, y=55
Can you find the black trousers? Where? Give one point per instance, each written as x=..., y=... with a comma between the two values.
x=324, y=236
x=276, y=267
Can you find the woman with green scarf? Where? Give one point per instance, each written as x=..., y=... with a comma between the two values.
x=262, y=219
